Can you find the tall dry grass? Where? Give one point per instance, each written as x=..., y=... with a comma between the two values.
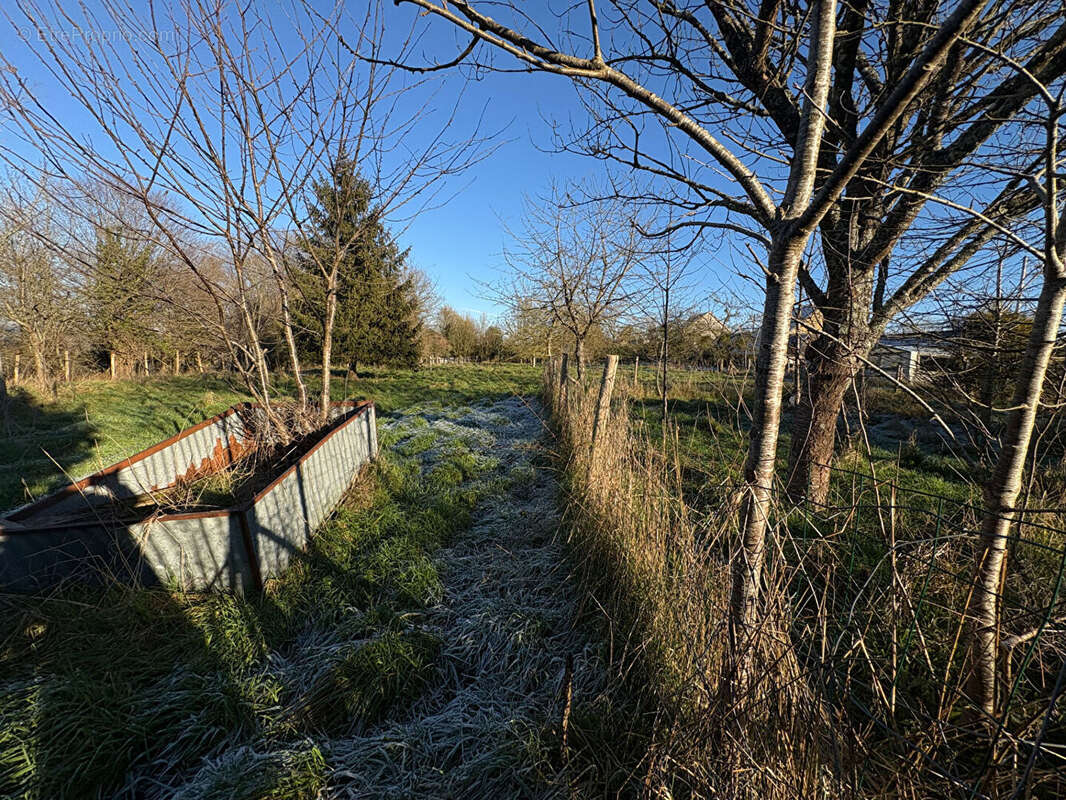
x=860, y=686
x=659, y=572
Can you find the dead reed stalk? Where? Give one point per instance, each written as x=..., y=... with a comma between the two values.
x=660, y=573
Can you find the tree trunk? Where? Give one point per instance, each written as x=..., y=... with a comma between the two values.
x=785, y=255
x=579, y=360
x=666, y=341
x=1002, y=490
x=259, y=365
x=294, y=356
x=40, y=365
x=787, y=241
x=290, y=339
x=829, y=370
x=666, y=359
x=327, y=348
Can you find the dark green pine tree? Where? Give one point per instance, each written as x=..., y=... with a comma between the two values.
x=376, y=320
x=119, y=296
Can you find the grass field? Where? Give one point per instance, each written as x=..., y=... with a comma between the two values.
x=397, y=643
x=152, y=693
x=94, y=423
x=866, y=597
x=899, y=437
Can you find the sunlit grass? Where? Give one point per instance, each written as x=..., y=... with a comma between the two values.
x=91, y=424
x=125, y=689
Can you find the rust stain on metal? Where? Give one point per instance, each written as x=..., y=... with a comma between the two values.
x=220, y=458
x=99, y=478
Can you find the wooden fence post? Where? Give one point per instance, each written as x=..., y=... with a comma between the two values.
x=603, y=406
x=112, y=367
x=199, y=362
x=636, y=369
x=18, y=367
x=564, y=390
x=66, y=365
x=177, y=361
x=145, y=362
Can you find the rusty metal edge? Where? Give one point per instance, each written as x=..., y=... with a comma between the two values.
x=358, y=408
x=89, y=480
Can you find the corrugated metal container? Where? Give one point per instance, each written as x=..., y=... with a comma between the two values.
x=231, y=549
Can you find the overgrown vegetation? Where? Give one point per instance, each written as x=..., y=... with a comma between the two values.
x=860, y=658
x=429, y=643
x=91, y=424
x=146, y=692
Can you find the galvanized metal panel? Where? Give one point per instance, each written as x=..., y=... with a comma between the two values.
x=196, y=553
x=282, y=520
x=151, y=469
x=232, y=549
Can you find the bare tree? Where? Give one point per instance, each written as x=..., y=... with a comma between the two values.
x=668, y=269
x=1002, y=490
x=215, y=124
x=459, y=330
x=36, y=291
x=574, y=263
x=813, y=183
x=532, y=332
x=904, y=224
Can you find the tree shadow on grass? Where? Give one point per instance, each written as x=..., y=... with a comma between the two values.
x=44, y=441
x=35, y=437
x=129, y=692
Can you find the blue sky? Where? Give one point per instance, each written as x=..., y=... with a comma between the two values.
x=460, y=242
x=459, y=239
x=462, y=238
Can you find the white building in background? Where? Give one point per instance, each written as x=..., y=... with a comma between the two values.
x=901, y=355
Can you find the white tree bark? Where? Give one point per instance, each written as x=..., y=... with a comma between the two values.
x=1001, y=492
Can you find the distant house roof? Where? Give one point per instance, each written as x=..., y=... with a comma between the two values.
x=927, y=344
x=707, y=324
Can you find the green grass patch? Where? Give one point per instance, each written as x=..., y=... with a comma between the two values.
x=362, y=686
x=91, y=424
x=108, y=690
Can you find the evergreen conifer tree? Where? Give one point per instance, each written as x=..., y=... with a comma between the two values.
x=376, y=319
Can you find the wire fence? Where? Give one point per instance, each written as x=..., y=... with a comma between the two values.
x=880, y=591
x=874, y=589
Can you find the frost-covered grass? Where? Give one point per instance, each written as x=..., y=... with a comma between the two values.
x=90, y=424
x=418, y=649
